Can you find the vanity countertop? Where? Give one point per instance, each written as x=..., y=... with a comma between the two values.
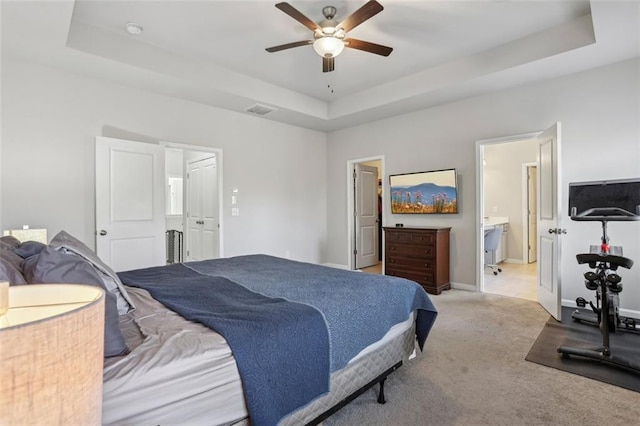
x=495, y=220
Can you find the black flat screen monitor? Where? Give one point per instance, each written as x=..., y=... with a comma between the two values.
x=623, y=194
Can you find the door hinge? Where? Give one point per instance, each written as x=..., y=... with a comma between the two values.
x=355, y=175
x=355, y=251
x=188, y=254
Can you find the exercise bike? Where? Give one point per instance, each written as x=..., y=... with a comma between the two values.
x=604, y=261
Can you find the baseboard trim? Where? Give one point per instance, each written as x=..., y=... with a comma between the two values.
x=461, y=286
x=624, y=312
x=336, y=265
x=516, y=261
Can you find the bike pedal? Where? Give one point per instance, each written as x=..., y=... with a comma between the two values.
x=581, y=302
x=629, y=323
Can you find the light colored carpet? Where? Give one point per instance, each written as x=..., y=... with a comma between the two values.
x=473, y=372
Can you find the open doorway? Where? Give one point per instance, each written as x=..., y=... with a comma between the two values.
x=365, y=214
x=509, y=218
x=193, y=202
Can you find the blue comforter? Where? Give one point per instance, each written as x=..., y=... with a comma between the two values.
x=257, y=328
x=354, y=309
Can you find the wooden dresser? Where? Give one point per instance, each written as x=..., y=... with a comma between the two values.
x=420, y=254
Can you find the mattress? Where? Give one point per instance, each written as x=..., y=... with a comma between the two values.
x=181, y=372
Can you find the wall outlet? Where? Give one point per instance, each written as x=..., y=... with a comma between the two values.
x=494, y=209
x=235, y=211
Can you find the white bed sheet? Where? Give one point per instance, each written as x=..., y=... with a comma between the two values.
x=179, y=372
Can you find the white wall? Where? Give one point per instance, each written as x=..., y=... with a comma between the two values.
x=599, y=111
x=503, y=188
x=173, y=160
x=50, y=119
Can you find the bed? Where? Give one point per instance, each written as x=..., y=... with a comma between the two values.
x=300, y=340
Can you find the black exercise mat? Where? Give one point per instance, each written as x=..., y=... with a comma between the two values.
x=580, y=335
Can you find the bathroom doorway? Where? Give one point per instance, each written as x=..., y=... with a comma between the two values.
x=509, y=203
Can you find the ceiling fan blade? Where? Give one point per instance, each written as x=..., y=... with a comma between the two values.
x=359, y=16
x=297, y=15
x=289, y=45
x=328, y=64
x=378, y=49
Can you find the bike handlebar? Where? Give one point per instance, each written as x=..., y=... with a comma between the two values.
x=607, y=214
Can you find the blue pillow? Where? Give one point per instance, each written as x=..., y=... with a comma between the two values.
x=52, y=266
x=29, y=248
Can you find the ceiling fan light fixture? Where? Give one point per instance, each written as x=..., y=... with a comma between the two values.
x=328, y=47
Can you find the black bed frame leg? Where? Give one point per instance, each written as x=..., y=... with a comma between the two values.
x=381, y=399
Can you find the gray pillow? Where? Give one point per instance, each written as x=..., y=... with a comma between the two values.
x=29, y=248
x=52, y=266
x=12, y=258
x=65, y=242
x=10, y=240
x=6, y=246
x=8, y=272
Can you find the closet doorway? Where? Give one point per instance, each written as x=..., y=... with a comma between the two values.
x=365, y=213
x=194, y=200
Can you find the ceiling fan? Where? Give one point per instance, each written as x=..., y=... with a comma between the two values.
x=329, y=36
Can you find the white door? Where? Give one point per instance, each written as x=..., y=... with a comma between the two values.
x=366, y=214
x=548, y=220
x=202, y=214
x=532, y=211
x=130, y=209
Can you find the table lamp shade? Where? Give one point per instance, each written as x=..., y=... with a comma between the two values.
x=51, y=355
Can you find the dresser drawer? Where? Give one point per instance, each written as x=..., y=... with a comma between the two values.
x=424, y=278
x=418, y=252
x=410, y=237
x=399, y=262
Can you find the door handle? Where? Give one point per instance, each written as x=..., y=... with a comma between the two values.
x=103, y=232
x=557, y=231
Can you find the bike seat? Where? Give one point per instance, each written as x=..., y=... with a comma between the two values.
x=593, y=258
